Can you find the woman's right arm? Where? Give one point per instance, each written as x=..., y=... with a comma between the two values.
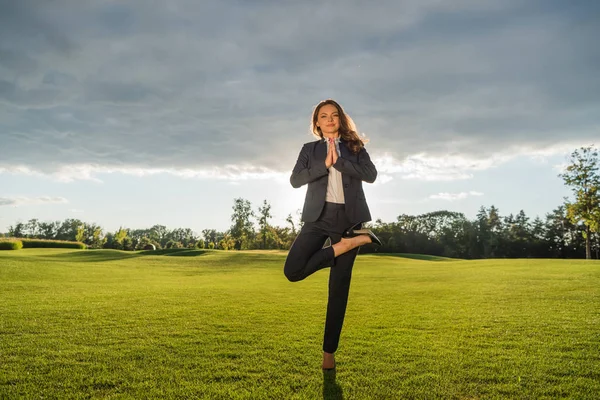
x=304, y=173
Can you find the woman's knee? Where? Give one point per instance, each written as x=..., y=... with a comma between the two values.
x=291, y=270
x=291, y=276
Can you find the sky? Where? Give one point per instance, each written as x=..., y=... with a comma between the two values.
x=140, y=113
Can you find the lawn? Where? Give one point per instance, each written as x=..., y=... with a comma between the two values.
x=220, y=325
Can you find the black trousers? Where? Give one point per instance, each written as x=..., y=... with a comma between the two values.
x=307, y=256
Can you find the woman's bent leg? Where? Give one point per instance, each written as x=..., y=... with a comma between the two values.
x=307, y=255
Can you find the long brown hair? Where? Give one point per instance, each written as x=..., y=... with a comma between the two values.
x=347, y=130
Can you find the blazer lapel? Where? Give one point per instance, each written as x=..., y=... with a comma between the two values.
x=344, y=153
x=321, y=151
x=344, y=150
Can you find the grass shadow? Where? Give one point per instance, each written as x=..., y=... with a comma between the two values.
x=99, y=255
x=331, y=389
x=92, y=255
x=424, y=257
x=173, y=252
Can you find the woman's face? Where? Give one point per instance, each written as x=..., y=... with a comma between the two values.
x=328, y=119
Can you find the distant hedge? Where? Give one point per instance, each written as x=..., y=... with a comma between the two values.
x=10, y=244
x=18, y=243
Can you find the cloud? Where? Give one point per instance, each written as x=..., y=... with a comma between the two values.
x=561, y=168
x=454, y=196
x=83, y=172
x=424, y=167
x=127, y=87
x=382, y=179
x=18, y=201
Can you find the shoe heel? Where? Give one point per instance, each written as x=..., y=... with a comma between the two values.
x=374, y=238
x=348, y=232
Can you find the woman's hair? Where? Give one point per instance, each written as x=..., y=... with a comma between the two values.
x=347, y=129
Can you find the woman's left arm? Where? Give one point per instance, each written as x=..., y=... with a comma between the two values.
x=364, y=169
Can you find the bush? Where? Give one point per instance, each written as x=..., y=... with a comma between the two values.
x=41, y=243
x=127, y=243
x=146, y=243
x=10, y=244
x=172, y=244
x=211, y=245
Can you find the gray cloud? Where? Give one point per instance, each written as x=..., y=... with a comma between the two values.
x=192, y=86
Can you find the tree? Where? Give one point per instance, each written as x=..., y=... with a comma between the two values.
x=494, y=221
x=227, y=243
x=80, y=235
x=109, y=241
x=242, y=229
x=119, y=237
x=92, y=235
x=17, y=231
x=520, y=235
x=32, y=228
x=173, y=244
x=210, y=235
x=538, y=244
x=158, y=233
x=282, y=237
x=264, y=214
x=557, y=232
x=143, y=242
x=69, y=229
x=483, y=233
x=185, y=236
x=127, y=243
x=495, y=231
x=290, y=221
x=48, y=230
x=582, y=176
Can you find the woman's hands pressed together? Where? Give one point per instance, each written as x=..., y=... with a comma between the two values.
x=332, y=154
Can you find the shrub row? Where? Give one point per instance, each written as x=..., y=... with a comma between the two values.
x=17, y=243
x=10, y=244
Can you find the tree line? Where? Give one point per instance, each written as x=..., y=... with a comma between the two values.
x=569, y=231
x=242, y=235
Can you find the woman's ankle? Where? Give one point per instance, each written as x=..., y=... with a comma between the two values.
x=344, y=246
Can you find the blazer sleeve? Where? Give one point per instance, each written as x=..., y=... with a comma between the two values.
x=364, y=169
x=304, y=173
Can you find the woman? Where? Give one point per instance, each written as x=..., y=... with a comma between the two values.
x=334, y=168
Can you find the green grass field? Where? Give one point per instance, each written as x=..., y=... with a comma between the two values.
x=219, y=325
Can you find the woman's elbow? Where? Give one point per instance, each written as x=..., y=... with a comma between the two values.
x=371, y=176
x=295, y=182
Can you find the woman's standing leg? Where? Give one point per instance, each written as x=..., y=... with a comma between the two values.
x=339, y=286
x=339, y=289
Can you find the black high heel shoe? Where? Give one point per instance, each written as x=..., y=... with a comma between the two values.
x=352, y=232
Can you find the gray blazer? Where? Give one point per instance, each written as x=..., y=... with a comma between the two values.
x=355, y=168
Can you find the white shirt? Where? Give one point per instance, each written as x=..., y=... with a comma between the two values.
x=335, y=187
